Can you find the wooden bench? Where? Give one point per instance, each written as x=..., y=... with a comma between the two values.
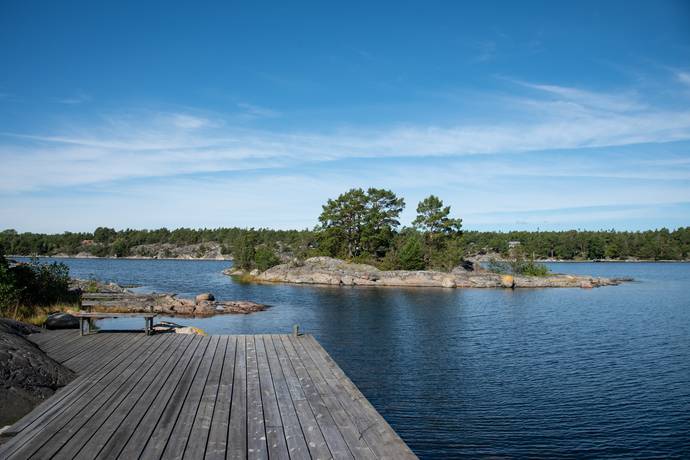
x=87, y=318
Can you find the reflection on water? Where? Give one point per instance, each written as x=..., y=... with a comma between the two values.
x=466, y=373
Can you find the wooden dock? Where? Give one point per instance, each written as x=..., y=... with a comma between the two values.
x=187, y=396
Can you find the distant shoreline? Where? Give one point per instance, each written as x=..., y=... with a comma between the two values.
x=119, y=258
x=229, y=259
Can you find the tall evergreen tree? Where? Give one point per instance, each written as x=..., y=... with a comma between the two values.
x=432, y=219
x=359, y=222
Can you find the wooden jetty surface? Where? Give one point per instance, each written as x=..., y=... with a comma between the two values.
x=187, y=396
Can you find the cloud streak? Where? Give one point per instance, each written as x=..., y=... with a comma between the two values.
x=255, y=111
x=168, y=144
x=58, y=161
x=683, y=77
x=76, y=99
x=618, y=102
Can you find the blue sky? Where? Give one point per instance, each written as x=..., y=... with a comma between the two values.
x=520, y=115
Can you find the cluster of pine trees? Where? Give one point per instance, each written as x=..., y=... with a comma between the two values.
x=363, y=226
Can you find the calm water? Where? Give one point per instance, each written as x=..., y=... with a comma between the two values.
x=546, y=373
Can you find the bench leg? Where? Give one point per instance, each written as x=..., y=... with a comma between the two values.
x=81, y=326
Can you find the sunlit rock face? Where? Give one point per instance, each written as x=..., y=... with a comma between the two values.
x=327, y=270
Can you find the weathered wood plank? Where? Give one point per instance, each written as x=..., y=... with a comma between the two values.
x=179, y=437
x=93, y=350
x=43, y=336
x=201, y=426
x=329, y=429
x=275, y=436
x=294, y=436
x=46, y=336
x=97, y=403
x=294, y=385
x=156, y=444
x=352, y=436
x=136, y=429
x=140, y=396
x=237, y=430
x=256, y=427
x=53, y=335
x=318, y=448
x=122, y=399
x=67, y=342
x=218, y=432
x=63, y=352
x=99, y=351
x=112, y=350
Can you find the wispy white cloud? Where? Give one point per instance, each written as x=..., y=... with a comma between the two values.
x=256, y=111
x=683, y=77
x=136, y=146
x=185, y=121
x=618, y=102
x=78, y=98
x=173, y=144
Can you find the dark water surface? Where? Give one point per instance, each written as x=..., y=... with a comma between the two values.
x=547, y=373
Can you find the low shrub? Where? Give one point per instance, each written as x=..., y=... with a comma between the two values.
x=264, y=259
x=91, y=287
x=518, y=266
x=532, y=268
x=26, y=288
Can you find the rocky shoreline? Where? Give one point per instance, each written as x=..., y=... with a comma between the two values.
x=329, y=271
x=110, y=297
x=162, y=251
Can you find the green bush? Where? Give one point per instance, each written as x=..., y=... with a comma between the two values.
x=24, y=287
x=119, y=248
x=99, y=250
x=446, y=257
x=244, y=252
x=518, y=265
x=364, y=259
x=92, y=287
x=264, y=259
x=411, y=255
x=10, y=293
x=532, y=268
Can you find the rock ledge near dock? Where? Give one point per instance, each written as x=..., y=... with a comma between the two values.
x=112, y=298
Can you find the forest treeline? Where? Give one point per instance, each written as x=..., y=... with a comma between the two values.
x=362, y=225
x=659, y=244
x=567, y=245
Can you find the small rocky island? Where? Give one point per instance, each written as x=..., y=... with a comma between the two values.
x=330, y=271
x=112, y=298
